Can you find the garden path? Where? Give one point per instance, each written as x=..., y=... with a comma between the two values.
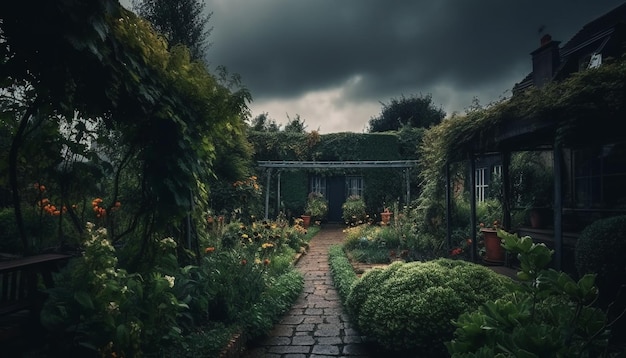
x=316, y=325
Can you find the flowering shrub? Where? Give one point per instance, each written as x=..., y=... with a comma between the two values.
x=316, y=206
x=107, y=309
x=247, y=195
x=354, y=212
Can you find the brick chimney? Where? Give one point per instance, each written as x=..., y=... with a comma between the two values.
x=546, y=59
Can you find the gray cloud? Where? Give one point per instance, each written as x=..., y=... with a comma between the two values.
x=369, y=51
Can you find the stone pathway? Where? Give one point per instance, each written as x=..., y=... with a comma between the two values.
x=316, y=325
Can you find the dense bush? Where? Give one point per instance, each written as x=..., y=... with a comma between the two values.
x=409, y=307
x=353, y=210
x=600, y=249
x=316, y=206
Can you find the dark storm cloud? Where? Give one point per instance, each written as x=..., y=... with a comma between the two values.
x=285, y=48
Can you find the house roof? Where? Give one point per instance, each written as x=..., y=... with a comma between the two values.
x=604, y=35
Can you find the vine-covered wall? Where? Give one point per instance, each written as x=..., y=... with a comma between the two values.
x=383, y=186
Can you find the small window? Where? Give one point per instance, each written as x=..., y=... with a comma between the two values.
x=481, y=184
x=318, y=185
x=354, y=186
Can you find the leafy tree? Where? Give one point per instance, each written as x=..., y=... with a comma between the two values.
x=263, y=123
x=414, y=111
x=180, y=21
x=295, y=125
x=161, y=118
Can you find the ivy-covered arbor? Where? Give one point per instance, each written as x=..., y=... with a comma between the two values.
x=307, y=161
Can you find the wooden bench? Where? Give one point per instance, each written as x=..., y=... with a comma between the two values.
x=21, y=298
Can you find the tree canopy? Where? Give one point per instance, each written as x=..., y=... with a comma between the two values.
x=414, y=111
x=160, y=115
x=180, y=21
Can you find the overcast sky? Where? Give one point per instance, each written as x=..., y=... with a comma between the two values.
x=334, y=61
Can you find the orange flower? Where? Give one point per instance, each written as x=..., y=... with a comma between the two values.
x=456, y=251
x=209, y=249
x=266, y=262
x=244, y=262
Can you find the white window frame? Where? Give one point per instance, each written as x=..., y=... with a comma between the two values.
x=354, y=186
x=318, y=185
x=480, y=183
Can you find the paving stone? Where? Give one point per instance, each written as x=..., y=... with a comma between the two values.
x=307, y=327
x=313, y=311
x=303, y=341
x=289, y=349
x=325, y=349
x=292, y=319
x=335, y=340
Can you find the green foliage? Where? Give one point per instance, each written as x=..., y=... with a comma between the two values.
x=545, y=314
x=341, y=270
x=276, y=300
x=353, y=211
x=316, y=206
x=408, y=307
x=207, y=342
x=414, y=111
x=533, y=184
x=599, y=250
x=188, y=27
x=101, y=307
x=110, y=79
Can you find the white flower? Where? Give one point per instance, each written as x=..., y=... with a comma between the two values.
x=168, y=242
x=170, y=280
x=113, y=307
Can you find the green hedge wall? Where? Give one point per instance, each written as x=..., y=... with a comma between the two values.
x=383, y=185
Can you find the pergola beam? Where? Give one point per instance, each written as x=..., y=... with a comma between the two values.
x=292, y=164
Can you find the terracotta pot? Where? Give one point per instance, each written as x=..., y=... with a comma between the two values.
x=494, y=252
x=385, y=217
x=306, y=220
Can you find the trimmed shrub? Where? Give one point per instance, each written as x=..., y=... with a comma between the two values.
x=600, y=249
x=341, y=270
x=409, y=307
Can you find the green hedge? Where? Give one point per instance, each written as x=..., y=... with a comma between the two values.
x=342, y=272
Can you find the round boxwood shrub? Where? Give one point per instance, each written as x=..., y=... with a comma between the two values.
x=409, y=307
x=600, y=249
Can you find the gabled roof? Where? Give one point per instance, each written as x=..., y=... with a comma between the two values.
x=595, y=31
x=606, y=35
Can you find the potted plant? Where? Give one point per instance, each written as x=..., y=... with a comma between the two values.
x=316, y=207
x=385, y=216
x=354, y=210
x=494, y=252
